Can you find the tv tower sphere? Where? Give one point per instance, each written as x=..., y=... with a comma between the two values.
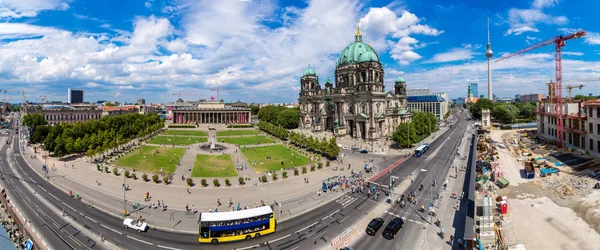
x=488, y=51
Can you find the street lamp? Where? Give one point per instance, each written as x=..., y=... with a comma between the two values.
x=124, y=192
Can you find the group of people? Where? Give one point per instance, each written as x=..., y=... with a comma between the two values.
x=159, y=204
x=193, y=210
x=237, y=232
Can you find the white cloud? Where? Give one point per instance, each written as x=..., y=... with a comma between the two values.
x=522, y=74
x=148, y=4
x=380, y=23
x=466, y=45
x=544, y=3
x=223, y=43
x=572, y=53
x=455, y=54
x=405, y=57
x=520, y=30
x=525, y=20
x=29, y=8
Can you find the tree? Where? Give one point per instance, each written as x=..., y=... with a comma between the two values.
x=288, y=118
x=110, y=104
x=505, y=113
x=254, y=109
x=584, y=98
x=216, y=182
x=405, y=135
x=34, y=120
x=227, y=182
x=241, y=180
x=333, y=148
x=527, y=111
x=155, y=178
x=145, y=177
x=482, y=103
x=189, y=181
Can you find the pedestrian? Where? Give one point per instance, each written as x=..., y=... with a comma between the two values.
x=304, y=179
x=218, y=202
x=457, y=205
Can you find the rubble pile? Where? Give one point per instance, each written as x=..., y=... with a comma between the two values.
x=564, y=186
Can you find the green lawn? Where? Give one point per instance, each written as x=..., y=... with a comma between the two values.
x=278, y=153
x=186, y=132
x=177, y=140
x=237, y=132
x=143, y=160
x=246, y=140
x=213, y=166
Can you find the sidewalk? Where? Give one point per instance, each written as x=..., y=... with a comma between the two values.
x=294, y=195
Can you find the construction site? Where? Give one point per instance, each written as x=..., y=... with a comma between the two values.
x=540, y=188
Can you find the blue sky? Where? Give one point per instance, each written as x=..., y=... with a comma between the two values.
x=256, y=50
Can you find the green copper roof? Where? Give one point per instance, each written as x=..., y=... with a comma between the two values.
x=309, y=72
x=358, y=52
x=403, y=112
x=328, y=80
x=400, y=79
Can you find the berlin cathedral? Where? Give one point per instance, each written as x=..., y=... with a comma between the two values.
x=357, y=105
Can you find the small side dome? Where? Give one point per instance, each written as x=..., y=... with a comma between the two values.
x=400, y=79
x=309, y=72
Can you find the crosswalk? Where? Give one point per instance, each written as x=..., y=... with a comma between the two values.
x=346, y=200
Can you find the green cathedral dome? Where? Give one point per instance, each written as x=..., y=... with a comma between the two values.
x=357, y=52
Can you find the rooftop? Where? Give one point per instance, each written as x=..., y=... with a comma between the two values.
x=425, y=98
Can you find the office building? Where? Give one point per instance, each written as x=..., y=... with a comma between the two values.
x=75, y=96
x=141, y=101
x=475, y=89
x=429, y=104
x=530, y=98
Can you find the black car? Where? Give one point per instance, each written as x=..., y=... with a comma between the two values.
x=364, y=151
x=374, y=226
x=392, y=228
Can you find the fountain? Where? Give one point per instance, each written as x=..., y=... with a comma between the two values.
x=212, y=146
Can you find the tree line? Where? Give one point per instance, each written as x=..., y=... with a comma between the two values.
x=505, y=112
x=276, y=131
x=421, y=126
x=91, y=137
x=329, y=148
x=288, y=118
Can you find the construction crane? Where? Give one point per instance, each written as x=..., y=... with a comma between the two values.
x=568, y=88
x=218, y=90
x=43, y=97
x=559, y=42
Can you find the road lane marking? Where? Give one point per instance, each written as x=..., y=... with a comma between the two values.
x=248, y=247
x=334, y=212
x=142, y=241
x=69, y=206
x=92, y=219
x=53, y=196
x=318, y=235
x=43, y=189
x=280, y=238
x=344, y=219
x=111, y=229
x=307, y=227
x=172, y=248
x=349, y=202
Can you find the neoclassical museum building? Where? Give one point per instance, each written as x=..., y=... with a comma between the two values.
x=357, y=105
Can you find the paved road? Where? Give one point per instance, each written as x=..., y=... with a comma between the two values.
x=28, y=194
x=434, y=165
x=315, y=228
x=312, y=230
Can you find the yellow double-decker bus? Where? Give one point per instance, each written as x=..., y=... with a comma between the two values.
x=246, y=224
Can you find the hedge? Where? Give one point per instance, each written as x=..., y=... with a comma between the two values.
x=240, y=126
x=182, y=126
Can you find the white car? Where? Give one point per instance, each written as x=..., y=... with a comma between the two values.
x=133, y=224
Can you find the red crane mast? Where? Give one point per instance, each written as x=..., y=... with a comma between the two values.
x=559, y=42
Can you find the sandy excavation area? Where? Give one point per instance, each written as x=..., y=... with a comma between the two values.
x=542, y=218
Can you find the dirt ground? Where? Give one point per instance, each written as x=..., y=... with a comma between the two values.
x=541, y=220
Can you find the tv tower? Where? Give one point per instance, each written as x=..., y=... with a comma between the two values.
x=489, y=54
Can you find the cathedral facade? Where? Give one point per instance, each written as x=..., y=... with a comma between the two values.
x=357, y=105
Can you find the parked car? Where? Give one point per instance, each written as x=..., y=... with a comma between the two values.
x=136, y=225
x=374, y=226
x=392, y=228
x=364, y=151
